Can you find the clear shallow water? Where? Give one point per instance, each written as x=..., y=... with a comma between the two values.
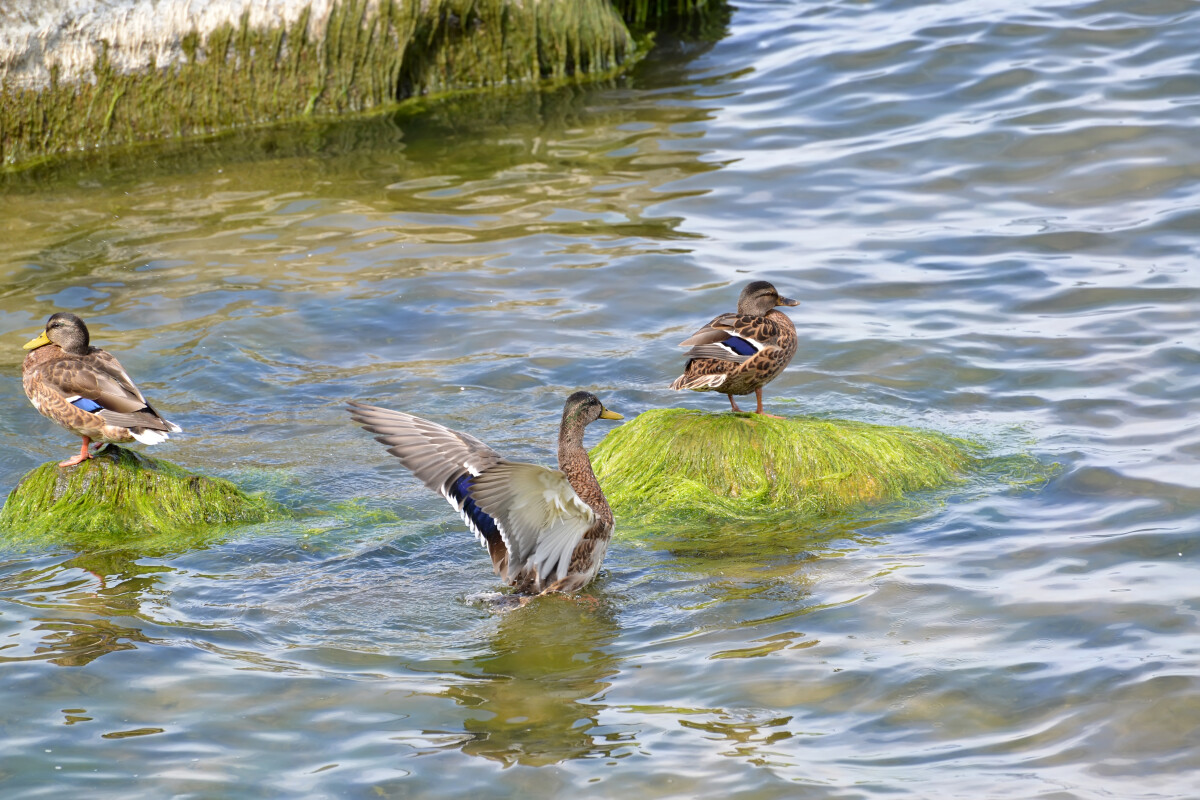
x=989, y=212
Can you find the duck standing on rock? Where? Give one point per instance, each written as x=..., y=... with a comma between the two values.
x=740, y=353
x=546, y=530
x=86, y=390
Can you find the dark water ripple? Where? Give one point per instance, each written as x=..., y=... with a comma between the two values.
x=989, y=211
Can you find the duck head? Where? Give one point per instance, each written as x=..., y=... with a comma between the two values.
x=760, y=297
x=65, y=330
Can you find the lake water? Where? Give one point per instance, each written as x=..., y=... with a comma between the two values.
x=989, y=212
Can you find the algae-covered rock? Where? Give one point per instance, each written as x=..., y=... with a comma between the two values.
x=673, y=463
x=81, y=75
x=122, y=492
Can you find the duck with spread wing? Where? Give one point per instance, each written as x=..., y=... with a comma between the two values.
x=546, y=530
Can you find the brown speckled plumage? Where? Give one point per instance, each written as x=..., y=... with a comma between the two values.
x=577, y=467
x=63, y=376
x=545, y=530
x=739, y=353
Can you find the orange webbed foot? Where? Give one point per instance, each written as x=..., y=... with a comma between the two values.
x=83, y=455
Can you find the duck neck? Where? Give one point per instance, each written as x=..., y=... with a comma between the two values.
x=781, y=319
x=574, y=462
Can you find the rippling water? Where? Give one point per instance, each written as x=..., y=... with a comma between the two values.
x=989, y=211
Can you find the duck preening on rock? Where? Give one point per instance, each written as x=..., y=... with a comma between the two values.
x=546, y=529
x=741, y=352
x=85, y=389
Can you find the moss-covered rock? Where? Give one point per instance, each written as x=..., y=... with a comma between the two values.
x=119, y=495
x=125, y=73
x=675, y=463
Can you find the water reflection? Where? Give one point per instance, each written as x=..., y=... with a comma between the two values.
x=538, y=164
x=747, y=735
x=79, y=597
x=698, y=545
x=78, y=642
x=533, y=698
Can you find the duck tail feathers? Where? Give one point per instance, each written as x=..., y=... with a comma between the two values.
x=698, y=382
x=148, y=436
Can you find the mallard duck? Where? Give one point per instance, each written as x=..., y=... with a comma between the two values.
x=742, y=352
x=86, y=390
x=546, y=530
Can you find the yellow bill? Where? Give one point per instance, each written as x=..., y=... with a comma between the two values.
x=34, y=344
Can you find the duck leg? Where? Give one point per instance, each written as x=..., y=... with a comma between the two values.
x=758, y=394
x=84, y=455
x=736, y=410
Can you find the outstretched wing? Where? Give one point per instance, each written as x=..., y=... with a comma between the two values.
x=528, y=517
x=539, y=514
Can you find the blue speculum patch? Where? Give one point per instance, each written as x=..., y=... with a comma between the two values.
x=460, y=490
x=740, y=346
x=87, y=405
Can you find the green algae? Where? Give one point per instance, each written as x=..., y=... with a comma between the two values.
x=704, y=20
x=371, y=55
x=675, y=464
x=123, y=497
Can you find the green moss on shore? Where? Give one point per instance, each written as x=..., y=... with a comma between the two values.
x=370, y=55
x=120, y=496
x=674, y=464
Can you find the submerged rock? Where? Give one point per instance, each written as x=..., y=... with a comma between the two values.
x=672, y=463
x=122, y=493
